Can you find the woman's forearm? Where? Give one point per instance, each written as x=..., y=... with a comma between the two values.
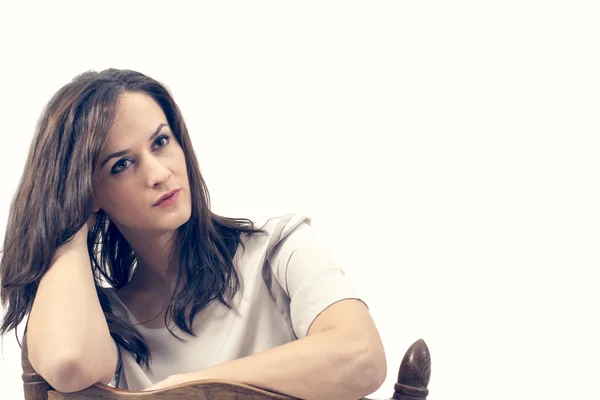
x=67, y=335
x=327, y=365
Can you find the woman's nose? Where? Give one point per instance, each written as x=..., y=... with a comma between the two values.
x=157, y=172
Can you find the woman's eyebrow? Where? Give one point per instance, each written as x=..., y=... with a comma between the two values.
x=123, y=152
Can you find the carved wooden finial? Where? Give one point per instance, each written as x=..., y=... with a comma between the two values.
x=414, y=374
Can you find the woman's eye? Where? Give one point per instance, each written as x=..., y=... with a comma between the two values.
x=119, y=166
x=162, y=141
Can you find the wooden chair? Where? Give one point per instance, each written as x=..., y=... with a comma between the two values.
x=413, y=379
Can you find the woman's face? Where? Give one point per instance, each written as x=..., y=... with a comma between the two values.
x=141, y=162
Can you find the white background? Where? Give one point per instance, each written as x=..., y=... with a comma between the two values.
x=447, y=152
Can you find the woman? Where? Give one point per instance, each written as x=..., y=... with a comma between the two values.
x=112, y=195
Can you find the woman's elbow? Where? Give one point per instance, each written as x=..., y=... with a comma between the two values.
x=374, y=371
x=66, y=375
x=370, y=369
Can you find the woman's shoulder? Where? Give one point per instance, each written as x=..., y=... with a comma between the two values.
x=274, y=231
x=280, y=226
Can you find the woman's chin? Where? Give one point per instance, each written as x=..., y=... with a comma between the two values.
x=170, y=224
x=173, y=222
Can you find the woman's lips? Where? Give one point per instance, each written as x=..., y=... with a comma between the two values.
x=168, y=199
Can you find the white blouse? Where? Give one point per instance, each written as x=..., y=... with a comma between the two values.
x=287, y=278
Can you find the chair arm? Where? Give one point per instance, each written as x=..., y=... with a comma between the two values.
x=413, y=378
x=198, y=390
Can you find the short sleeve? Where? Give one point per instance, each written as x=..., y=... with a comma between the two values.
x=305, y=269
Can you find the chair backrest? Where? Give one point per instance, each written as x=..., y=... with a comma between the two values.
x=413, y=378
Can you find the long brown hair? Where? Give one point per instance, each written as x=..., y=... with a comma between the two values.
x=54, y=200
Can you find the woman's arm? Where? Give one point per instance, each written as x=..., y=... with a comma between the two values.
x=342, y=357
x=67, y=334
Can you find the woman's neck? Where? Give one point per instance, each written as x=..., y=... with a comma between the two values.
x=155, y=271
